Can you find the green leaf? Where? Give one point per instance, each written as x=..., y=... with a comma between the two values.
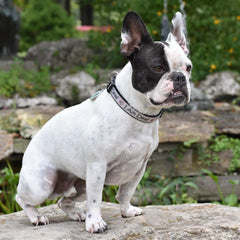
x=234, y=182
x=192, y=185
x=210, y=174
x=231, y=199
x=163, y=191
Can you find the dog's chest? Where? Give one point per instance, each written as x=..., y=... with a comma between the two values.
x=130, y=161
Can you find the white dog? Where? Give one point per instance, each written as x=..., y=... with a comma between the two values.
x=110, y=139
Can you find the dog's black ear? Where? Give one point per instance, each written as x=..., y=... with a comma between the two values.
x=179, y=32
x=134, y=34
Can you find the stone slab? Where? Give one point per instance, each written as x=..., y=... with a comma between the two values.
x=207, y=189
x=6, y=144
x=227, y=122
x=185, y=126
x=170, y=160
x=175, y=222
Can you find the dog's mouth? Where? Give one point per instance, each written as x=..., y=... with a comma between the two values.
x=177, y=98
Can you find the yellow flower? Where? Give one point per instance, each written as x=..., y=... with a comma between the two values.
x=159, y=13
x=154, y=32
x=238, y=17
x=234, y=39
x=217, y=21
x=229, y=64
x=231, y=50
x=109, y=30
x=213, y=67
x=114, y=3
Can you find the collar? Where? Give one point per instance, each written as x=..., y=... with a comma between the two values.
x=126, y=107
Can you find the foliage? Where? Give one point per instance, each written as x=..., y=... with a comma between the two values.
x=8, y=191
x=224, y=142
x=167, y=190
x=8, y=183
x=213, y=30
x=26, y=83
x=231, y=199
x=44, y=20
x=109, y=193
x=208, y=154
x=157, y=190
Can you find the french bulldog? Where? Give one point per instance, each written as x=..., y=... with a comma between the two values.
x=108, y=139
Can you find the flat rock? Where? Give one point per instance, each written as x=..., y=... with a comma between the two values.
x=221, y=86
x=207, y=189
x=185, y=126
x=32, y=119
x=20, y=102
x=227, y=122
x=76, y=87
x=6, y=144
x=65, y=53
x=170, y=160
x=175, y=222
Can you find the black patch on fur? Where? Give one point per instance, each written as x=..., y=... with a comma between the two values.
x=144, y=77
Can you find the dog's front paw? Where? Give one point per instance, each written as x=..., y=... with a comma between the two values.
x=131, y=211
x=95, y=224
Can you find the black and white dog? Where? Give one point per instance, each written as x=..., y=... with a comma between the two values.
x=108, y=140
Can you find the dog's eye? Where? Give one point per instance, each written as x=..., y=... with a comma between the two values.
x=188, y=68
x=158, y=68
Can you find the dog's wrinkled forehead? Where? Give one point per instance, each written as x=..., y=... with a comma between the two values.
x=175, y=55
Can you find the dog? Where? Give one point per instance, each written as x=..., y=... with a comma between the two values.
x=108, y=139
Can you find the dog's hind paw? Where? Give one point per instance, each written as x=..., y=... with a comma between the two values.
x=131, y=211
x=95, y=225
x=39, y=220
x=77, y=215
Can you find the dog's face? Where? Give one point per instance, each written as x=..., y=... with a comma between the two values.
x=161, y=70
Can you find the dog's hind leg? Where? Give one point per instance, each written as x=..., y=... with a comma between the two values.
x=34, y=191
x=67, y=203
x=33, y=214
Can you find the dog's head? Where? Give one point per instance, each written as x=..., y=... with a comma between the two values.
x=161, y=70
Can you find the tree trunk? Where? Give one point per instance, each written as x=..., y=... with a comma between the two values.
x=86, y=12
x=65, y=5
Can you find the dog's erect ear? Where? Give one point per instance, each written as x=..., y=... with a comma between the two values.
x=134, y=34
x=179, y=32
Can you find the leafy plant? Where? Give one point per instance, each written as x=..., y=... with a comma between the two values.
x=26, y=83
x=8, y=183
x=231, y=199
x=165, y=191
x=44, y=20
x=224, y=142
x=109, y=193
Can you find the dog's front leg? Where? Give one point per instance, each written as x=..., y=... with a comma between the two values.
x=96, y=172
x=125, y=194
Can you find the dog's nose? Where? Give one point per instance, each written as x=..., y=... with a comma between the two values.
x=179, y=79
